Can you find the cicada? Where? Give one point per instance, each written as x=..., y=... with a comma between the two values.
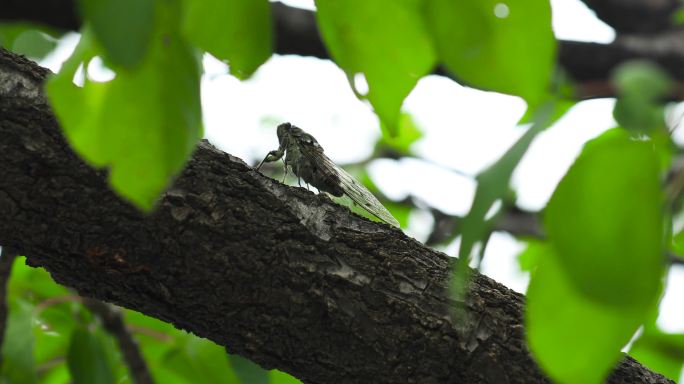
x=305, y=158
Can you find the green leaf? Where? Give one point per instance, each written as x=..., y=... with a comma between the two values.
x=503, y=46
x=661, y=352
x=678, y=16
x=247, y=371
x=34, y=43
x=143, y=124
x=34, y=282
x=237, y=30
x=123, y=27
x=18, y=366
x=643, y=78
x=57, y=375
x=278, y=377
x=641, y=85
x=393, y=56
x=678, y=243
x=492, y=184
x=88, y=359
x=402, y=138
x=200, y=361
x=30, y=40
x=605, y=221
x=529, y=258
x=574, y=339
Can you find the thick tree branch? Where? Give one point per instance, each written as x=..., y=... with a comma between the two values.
x=60, y=14
x=589, y=64
x=274, y=273
x=636, y=16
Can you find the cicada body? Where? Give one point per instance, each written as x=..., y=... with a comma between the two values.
x=305, y=157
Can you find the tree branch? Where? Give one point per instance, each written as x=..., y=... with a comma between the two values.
x=636, y=16
x=112, y=321
x=274, y=273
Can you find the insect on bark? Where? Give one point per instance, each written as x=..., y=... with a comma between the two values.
x=305, y=157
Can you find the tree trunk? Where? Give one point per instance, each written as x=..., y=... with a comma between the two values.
x=278, y=274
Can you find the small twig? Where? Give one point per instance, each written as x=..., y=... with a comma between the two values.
x=55, y=300
x=7, y=257
x=674, y=259
x=112, y=320
x=48, y=365
x=160, y=336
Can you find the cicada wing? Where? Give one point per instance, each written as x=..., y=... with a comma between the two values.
x=357, y=192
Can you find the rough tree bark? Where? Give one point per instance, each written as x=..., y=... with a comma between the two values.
x=274, y=273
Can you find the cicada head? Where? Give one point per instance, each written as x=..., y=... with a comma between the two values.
x=283, y=130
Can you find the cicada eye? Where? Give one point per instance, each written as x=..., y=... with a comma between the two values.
x=282, y=128
x=308, y=139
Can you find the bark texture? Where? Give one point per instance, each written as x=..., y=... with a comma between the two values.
x=274, y=273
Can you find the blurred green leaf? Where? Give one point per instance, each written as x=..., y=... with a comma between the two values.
x=200, y=361
x=143, y=124
x=492, y=184
x=238, y=31
x=404, y=137
x=607, y=212
x=34, y=44
x=123, y=28
x=393, y=56
x=18, y=366
x=661, y=352
x=560, y=108
x=639, y=115
x=52, y=328
x=678, y=243
x=641, y=85
x=529, y=258
x=27, y=39
x=574, y=339
x=59, y=374
x=678, y=16
x=643, y=78
x=9, y=32
x=88, y=359
x=247, y=371
x=278, y=377
x=34, y=282
x=504, y=46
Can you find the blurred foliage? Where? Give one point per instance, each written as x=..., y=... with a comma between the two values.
x=162, y=117
x=594, y=280
x=361, y=44
x=573, y=338
x=613, y=172
x=52, y=338
x=125, y=47
x=27, y=39
x=492, y=187
x=244, y=27
x=660, y=351
x=591, y=296
x=506, y=47
x=399, y=140
x=641, y=85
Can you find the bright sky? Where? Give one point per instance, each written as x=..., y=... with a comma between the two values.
x=465, y=131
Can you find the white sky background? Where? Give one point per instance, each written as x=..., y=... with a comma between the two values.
x=465, y=130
